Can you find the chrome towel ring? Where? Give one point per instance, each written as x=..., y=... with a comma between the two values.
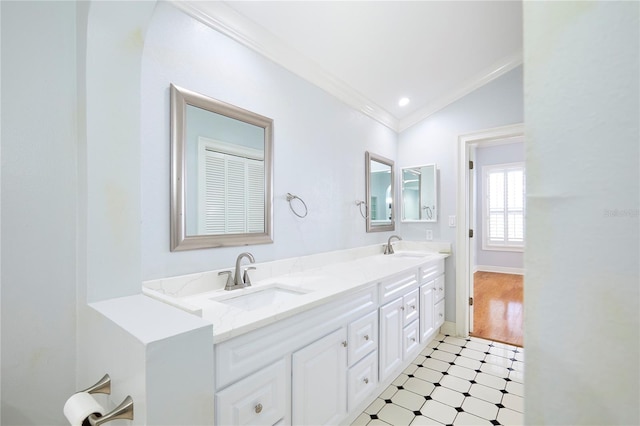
x=291, y=197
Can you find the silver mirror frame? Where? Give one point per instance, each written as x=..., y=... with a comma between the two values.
x=180, y=98
x=435, y=196
x=369, y=157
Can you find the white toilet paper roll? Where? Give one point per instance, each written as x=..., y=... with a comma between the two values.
x=80, y=406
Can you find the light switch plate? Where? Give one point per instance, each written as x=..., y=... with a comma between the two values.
x=452, y=221
x=429, y=235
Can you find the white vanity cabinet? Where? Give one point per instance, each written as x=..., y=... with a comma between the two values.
x=312, y=365
x=431, y=300
x=325, y=364
x=399, y=335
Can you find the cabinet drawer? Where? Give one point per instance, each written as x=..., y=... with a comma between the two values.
x=362, y=337
x=259, y=399
x=431, y=271
x=397, y=286
x=410, y=339
x=363, y=378
x=439, y=288
x=439, y=314
x=410, y=307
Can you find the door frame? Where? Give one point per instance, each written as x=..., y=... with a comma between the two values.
x=463, y=267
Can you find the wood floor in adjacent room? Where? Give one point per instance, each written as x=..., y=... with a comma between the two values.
x=498, y=307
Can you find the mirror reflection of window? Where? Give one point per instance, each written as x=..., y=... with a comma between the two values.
x=230, y=188
x=225, y=178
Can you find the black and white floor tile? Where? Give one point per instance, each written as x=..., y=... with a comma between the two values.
x=454, y=381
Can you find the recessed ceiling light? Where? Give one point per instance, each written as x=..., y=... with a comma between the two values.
x=404, y=102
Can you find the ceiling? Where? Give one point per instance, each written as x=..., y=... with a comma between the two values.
x=371, y=53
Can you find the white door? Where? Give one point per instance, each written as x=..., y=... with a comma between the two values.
x=319, y=391
x=391, y=322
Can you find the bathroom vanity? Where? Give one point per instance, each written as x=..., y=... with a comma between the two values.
x=315, y=339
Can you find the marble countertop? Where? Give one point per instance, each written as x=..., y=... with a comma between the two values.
x=319, y=285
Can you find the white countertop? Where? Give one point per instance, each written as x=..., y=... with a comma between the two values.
x=323, y=284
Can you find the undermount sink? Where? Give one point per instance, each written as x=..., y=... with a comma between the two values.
x=255, y=298
x=414, y=254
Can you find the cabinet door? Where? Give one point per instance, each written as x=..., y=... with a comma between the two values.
x=319, y=389
x=391, y=321
x=427, y=311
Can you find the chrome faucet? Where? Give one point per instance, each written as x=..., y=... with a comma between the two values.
x=240, y=280
x=388, y=249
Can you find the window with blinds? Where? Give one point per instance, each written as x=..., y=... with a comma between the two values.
x=504, y=207
x=231, y=192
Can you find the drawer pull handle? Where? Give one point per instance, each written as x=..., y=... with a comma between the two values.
x=440, y=315
x=366, y=337
x=344, y=343
x=402, y=308
x=413, y=307
x=366, y=381
x=258, y=408
x=413, y=339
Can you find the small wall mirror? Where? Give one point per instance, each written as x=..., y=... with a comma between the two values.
x=379, y=193
x=221, y=173
x=420, y=194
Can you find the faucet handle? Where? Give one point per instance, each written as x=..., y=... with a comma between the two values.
x=245, y=276
x=229, y=282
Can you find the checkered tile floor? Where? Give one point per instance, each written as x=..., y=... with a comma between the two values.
x=454, y=381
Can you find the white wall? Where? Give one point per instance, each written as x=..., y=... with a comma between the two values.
x=583, y=181
x=485, y=156
x=39, y=210
x=71, y=224
x=435, y=140
x=161, y=356
x=319, y=146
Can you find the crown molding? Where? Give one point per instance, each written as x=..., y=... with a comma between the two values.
x=226, y=20
x=496, y=70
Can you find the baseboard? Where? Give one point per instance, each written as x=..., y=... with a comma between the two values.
x=499, y=269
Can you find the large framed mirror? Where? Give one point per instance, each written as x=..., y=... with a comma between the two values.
x=420, y=193
x=221, y=173
x=379, y=175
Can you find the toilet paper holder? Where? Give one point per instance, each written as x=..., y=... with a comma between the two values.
x=122, y=411
x=102, y=386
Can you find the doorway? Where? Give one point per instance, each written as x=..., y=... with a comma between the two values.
x=466, y=262
x=497, y=210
